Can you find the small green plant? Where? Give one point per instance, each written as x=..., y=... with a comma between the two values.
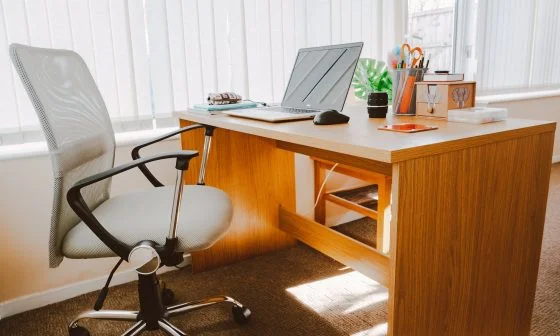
x=372, y=76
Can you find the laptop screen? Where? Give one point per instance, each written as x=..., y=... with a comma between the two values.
x=321, y=77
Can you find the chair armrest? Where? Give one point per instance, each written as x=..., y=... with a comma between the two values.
x=77, y=203
x=136, y=151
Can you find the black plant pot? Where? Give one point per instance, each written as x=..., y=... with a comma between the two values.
x=377, y=104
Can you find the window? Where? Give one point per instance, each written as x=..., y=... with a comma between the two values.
x=150, y=57
x=430, y=24
x=519, y=47
x=505, y=45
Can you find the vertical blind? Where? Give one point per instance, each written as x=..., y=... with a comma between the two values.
x=517, y=45
x=150, y=57
x=109, y=35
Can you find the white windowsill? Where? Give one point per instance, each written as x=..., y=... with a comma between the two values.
x=519, y=96
x=35, y=149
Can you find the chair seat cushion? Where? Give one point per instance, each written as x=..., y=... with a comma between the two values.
x=204, y=217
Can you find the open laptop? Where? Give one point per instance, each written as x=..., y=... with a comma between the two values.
x=319, y=82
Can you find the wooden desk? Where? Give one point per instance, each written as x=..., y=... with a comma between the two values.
x=468, y=207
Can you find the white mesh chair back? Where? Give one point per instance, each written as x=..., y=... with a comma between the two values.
x=77, y=127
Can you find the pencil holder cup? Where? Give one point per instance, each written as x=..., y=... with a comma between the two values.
x=404, y=90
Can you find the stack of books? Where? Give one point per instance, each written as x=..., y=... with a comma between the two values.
x=216, y=109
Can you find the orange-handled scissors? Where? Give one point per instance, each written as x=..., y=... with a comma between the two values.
x=413, y=57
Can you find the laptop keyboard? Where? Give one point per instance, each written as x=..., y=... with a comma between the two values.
x=290, y=110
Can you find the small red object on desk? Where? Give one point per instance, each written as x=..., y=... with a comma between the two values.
x=407, y=128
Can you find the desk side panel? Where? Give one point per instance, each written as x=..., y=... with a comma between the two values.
x=467, y=237
x=258, y=178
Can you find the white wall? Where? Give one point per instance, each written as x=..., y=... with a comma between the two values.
x=25, y=207
x=547, y=108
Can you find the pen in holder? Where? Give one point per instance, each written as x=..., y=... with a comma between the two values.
x=404, y=90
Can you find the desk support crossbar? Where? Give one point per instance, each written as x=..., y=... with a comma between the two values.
x=344, y=249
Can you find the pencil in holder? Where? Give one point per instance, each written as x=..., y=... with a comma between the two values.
x=404, y=90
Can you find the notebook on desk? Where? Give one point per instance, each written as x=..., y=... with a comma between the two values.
x=319, y=82
x=224, y=107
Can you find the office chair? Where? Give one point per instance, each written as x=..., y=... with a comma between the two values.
x=90, y=223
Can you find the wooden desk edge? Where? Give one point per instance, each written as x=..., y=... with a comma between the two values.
x=376, y=160
x=350, y=160
x=454, y=145
x=323, y=144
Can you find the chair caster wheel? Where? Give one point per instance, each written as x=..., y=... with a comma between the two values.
x=76, y=330
x=241, y=314
x=167, y=296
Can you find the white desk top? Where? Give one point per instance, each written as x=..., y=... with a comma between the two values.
x=361, y=137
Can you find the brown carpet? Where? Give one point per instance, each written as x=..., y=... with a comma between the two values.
x=546, y=312
x=292, y=292
x=363, y=230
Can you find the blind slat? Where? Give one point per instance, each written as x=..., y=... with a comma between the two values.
x=39, y=30
x=391, y=29
x=356, y=20
x=82, y=33
x=346, y=21
x=367, y=28
x=238, y=47
x=207, y=45
x=277, y=49
x=258, y=50
x=61, y=32
x=160, y=68
x=318, y=27
x=16, y=23
x=193, y=55
x=222, y=45
x=104, y=55
x=177, y=54
x=10, y=116
x=122, y=54
x=139, y=54
x=288, y=37
x=300, y=20
x=336, y=23
x=377, y=29
x=546, y=68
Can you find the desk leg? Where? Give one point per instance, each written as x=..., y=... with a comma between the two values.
x=258, y=178
x=383, y=214
x=466, y=237
x=319, y=178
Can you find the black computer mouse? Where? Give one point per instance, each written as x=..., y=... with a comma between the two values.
x=330, y=117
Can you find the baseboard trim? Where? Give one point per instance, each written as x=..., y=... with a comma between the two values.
x=556, y=158
x=41, y=299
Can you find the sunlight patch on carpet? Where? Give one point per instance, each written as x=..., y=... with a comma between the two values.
x=342, y=294
x=378, y=330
